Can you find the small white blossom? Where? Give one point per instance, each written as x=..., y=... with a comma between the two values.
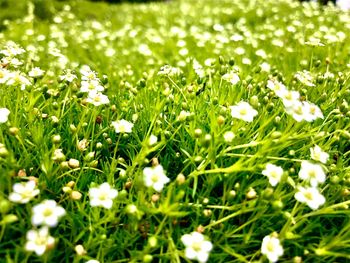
x=315, y=42
x=312, y=111
x=231, y=77
x=305, y=78
x=87, y=74
x=155, y=177
x=68, y=76
x=152, y=140
x=312, y=172
x=318, y=155
x=24, y=192
x=47, y=213
x=265, y=67
x=4, y=75
x=197, y=247
x=4, y=113
x=122, y=126
x=271, y=247
x=97, y=98
x=229, y=136
x=343, y=4
x=298, y=111
x=36, y=72
x=92, y=261
x=273, y=173
x=243, y=111
x=289, y=98
x=102, y=195
x=91, y=86
x=311, y=196
x=277, y=87
x=39, y=241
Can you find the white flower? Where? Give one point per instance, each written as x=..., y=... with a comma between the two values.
x=231, y=77
x=183, y=115
x=298, y=111
x=92, y=85
x=271, y=247
x=274, y=173
x=312, y=111
x=315, y=42
x=18, y=78
x=87, y=73
x=4, y=75
x=24, y=192
x=243, y=111
x=312, y=172
x=261, y=53
x=343, y=4
x=68, y=76
x=12, y=49
x=277, y=87
x=39, y=240
x=229, y=136
x=197, y=247
x=4, y=113
x=311, y=196
x=289, y=98
x=92, y=261
x=305, y=78
x=97, y=98
x=155, y=177
x=102, y=195
x=47, y=213
x=318, y=155
x=36, y=72
x=265, y=67
x=122, y=126
x=152, y=140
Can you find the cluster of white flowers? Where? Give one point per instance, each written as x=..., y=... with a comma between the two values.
x=47, y=214
x=299, y=110
x=91, y=85
x=11, y=61
x=170, y=71
x=314, y=175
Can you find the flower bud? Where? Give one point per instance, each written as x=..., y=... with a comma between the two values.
x=76, y=195
x=79, y=249
x=73, y=163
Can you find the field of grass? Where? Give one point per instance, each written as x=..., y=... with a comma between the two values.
x=204, y=131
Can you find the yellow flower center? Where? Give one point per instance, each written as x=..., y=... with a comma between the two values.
x=308, y=195
x=243, y=111
x=47, y=212
x=270, y=247
x=154, y=178
x=197, y=246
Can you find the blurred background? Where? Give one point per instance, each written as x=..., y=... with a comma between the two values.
x=44, y=9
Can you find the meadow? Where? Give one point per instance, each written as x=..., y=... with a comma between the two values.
x=180, y=131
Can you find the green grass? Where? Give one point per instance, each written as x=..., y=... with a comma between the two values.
x=223, y=193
